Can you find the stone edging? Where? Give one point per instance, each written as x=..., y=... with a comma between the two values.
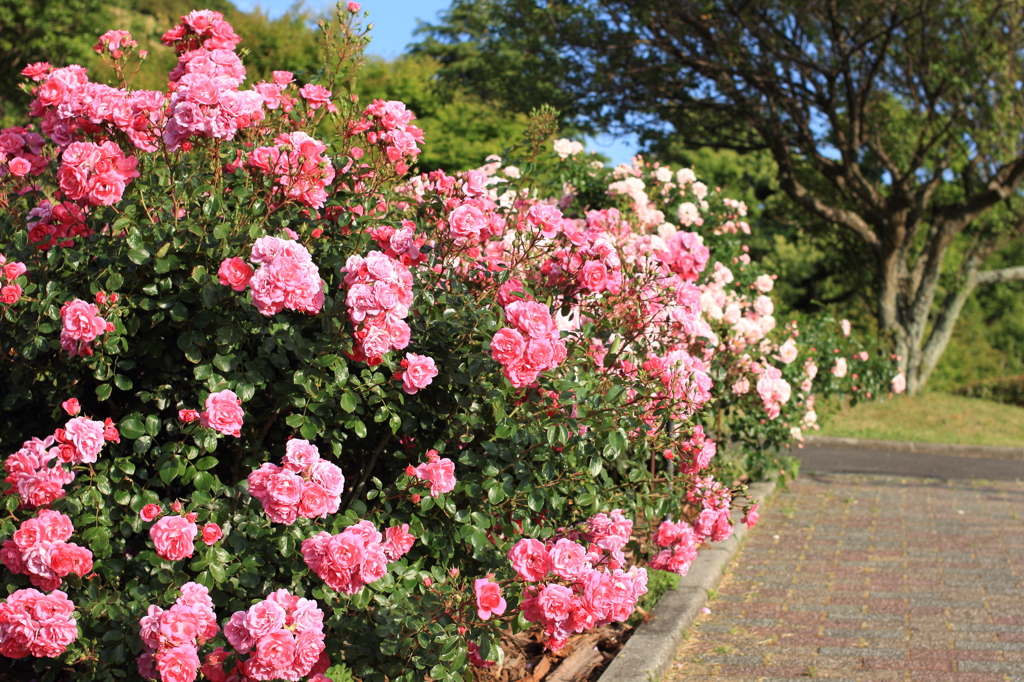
x=976, y=451
x=647, y=655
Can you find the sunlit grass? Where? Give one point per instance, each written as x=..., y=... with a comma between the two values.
x=931, y=418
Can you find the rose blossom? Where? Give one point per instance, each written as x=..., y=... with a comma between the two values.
x=223, y=413
x=212, y=533
x=235, y=273
x=488, y=598
x=419, y=371
x=530, y=559
x=174, y=537
x=150, y=512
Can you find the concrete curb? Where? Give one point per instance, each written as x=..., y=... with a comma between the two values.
x=648, y=654
x=976, y=451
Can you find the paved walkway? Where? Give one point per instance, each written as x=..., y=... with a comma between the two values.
x=870, y=579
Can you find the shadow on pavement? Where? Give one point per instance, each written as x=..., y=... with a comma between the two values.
x=850, y=460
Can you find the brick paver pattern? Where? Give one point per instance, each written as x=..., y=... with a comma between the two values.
x=871, y=579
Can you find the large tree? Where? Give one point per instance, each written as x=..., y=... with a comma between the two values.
x=899, y=121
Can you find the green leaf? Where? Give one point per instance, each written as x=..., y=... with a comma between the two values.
x=348, y=402
x=138, y=256
x=153, y=425
x=121, y=381
x=206, y=463
x=203, y=480
x=103, y=391
x=131, y=427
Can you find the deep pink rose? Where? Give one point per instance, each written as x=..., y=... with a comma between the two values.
x=174, y=537
x=212, y=533
x=276, y=650
x=507, y=346
x=530, y=559
x=235, y=273
x=568, y=559
x=488, y=598
x=179, y=664
x=265, y=618
x=223, y=413
x=315, y=502
x=398, y=542
x=150, y=512
x=594, y=276
x=19, y=167
x=10, y=294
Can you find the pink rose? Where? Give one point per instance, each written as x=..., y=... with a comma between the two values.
x=276, y=650
x=531, y=318
x=179, y=664
x=594, y=276
x=10, y=294
x=507, y=346
x=398, y=542
x=419, y=371
x=285, y=488
x=466, y=222
x=751, y=517
x=223, y=413
x=174, y=537
x=374, y=564
x=440, y=473
x=530, y=559
x=68, y=558
x=188, y=415
x=87, y=437
x=315, y=501
x=265, y=618
x=488, y=598
x=568, y=559
x=19, y=167
x=212, y=533
x=235, y=273
x=71, y=406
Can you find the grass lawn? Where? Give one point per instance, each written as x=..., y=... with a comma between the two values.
x=930, y=418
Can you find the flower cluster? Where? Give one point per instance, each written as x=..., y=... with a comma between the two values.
x=95, y=174
x=680, y=545
x=206, y=100
x=52, y=225
x=81, y=324
x=223, y=413
x=40, y=550
x=172, y=638
x=287, y=277
x=305, y=485
x=357, y=556
x=378, y=300
x=115, y=42
x=589, y=587
x=32, y=478
x=401, y=244
x=21, y=152
x=437, y=471
x=11, y=292
x=82, y=439
x=300, y=169
x=530, y=346
x=284, y=633
x=36, y=624
x=774, y=390
x=685, y=254
x=388, y=124
x=697, y=451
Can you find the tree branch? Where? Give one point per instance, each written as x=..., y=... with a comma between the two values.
x=1013, y=274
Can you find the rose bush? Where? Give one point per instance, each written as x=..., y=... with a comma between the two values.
x=515, y=373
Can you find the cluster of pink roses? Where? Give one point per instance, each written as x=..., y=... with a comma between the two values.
x=82, y=439
x=378, y=300
x=300, y=169
x=530, y=346
x=589, y=588
x=774, y=390
x=172, y=638
x=389, y=125
x=305, y=485
x=417, y=372
x=95, y=174
x=36, y=624
x=52, y=225
x=680, y=543
x=39, y=549
x=685, y=379
x=287, y=277
x=357, y=556
x=475, y=219
x=32, y=478
x=114, y=42
x=593, y=264
x=20, y=152
x=11, y=292
x=402, y=244
x=697, y=452
x=685, y=254
x=206, y=100
x=284, y=633
x=438, y=471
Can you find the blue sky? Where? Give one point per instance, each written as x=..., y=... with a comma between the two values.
x=393, y=24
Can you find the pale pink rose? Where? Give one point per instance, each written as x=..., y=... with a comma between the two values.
x=19, y=167
x=530, y=559
x=488, y=598
x=315, y=501
x=223, y=413
x=235, y=273
x=788, y=351
x=440, y=473
x=328, y=476
x=174, y=537
x=418, y=372
x=845, y=326
x=237, y=633
x=276, y=650
x=300, y=454
x=179, y=664
x=568, y=559
x=265, y=618
x=751, y=517
x=764, y=283
x=839, y=369
x=899, y=383
x=87, y=437
x=374, y=564
x=284, y=488
x=741, y=386
x=555, y=602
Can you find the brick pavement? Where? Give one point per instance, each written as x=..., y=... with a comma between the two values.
x=871, y=579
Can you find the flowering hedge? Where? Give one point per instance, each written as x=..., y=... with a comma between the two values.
x=279, y=405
